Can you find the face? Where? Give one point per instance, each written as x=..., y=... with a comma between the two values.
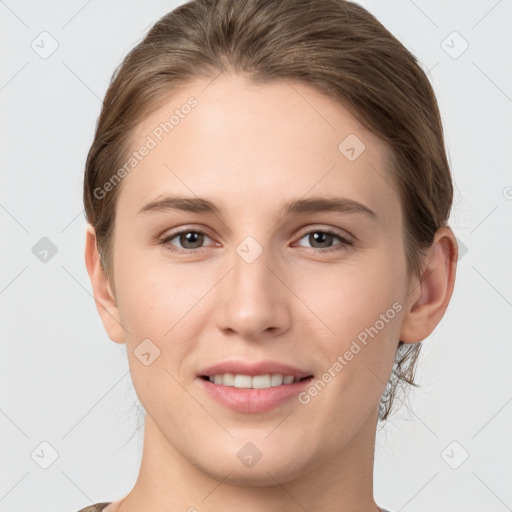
x=294, y=257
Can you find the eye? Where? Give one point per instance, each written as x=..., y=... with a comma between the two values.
x=189, y=239
x=323, y=238
x=192, y=240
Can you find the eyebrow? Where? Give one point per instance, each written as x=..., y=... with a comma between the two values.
x=298, y=207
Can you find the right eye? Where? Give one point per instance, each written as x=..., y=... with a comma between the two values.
x=190, y=239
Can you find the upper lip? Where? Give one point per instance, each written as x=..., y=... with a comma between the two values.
x=253, y=368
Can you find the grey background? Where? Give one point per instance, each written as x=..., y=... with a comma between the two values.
x=63, y=382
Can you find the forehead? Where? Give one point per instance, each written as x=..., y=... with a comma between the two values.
x=236, y=141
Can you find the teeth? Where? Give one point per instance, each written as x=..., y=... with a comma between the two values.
x=228, y=378
x=276, y=380
x=248, y=382
x=243, y=381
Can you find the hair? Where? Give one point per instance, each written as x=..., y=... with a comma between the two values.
x=334, y=46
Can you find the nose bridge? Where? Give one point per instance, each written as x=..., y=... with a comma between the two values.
x=251, y=275
x=253, y=300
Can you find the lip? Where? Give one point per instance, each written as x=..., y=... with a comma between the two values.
x=253, y=368
x=253, y=401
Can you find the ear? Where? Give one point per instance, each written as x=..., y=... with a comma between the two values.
x=430, y=294
x=105, y=300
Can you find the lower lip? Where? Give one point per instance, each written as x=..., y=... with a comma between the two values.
x=253, y=400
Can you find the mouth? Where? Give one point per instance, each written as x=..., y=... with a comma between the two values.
x=243, y=381
x=253, y=387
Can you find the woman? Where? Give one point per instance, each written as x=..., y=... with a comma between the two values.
x=268, y=195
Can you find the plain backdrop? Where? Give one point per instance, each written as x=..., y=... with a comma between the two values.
x=68, y=411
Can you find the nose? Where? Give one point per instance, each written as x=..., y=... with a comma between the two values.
x=253, y=301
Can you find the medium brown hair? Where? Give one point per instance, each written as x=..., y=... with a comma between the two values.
x=335, y=46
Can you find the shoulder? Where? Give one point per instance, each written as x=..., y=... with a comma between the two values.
x=97, y=507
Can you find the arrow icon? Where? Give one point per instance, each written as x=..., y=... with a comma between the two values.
x=44, y=250
x=249, y=455
x=147, y=352
x=44, y=455
x=351, y=147
x=454, y=455
x=454, y=45
x=249, y=253
x=44, y=44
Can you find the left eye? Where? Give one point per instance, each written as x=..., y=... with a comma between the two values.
x=324, y=237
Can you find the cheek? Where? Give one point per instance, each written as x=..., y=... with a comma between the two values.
x=345, y=299
x=361, y=304
x=156, y=304
x=158, y=307
x=152, y=294
x=164, y=302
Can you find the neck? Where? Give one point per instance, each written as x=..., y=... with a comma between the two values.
x=342, y=481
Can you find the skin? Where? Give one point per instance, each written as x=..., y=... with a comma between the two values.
x=250, y=149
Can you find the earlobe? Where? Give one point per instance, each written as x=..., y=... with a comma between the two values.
x=431, y=293
x=105, y=300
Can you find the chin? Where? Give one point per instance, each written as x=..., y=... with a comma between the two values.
x=263, y=476
x=273, y=466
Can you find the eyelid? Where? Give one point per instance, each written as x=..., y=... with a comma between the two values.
x=343, y=234
x=173, y=233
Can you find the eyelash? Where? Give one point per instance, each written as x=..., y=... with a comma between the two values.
x=344, y=242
